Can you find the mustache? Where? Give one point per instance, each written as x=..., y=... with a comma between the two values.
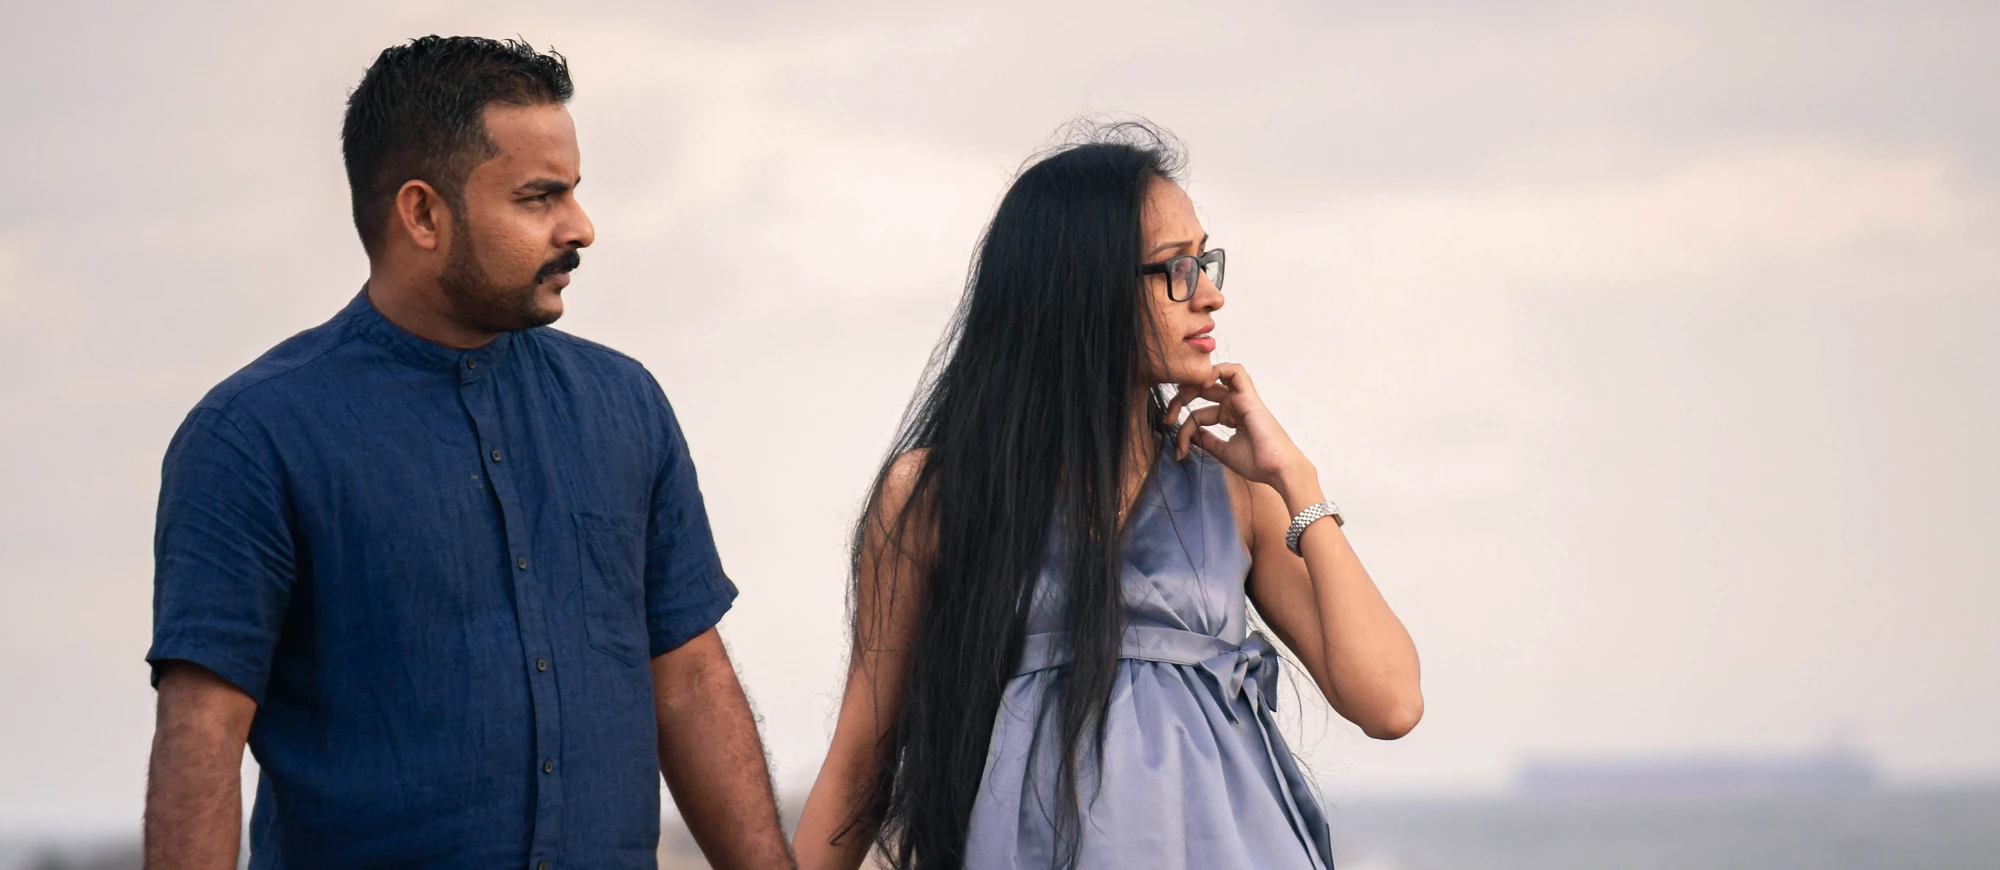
x=568, y=261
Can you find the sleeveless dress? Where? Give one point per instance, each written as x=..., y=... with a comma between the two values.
x=1193, y=772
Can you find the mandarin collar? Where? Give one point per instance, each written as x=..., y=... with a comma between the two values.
x=364, y=319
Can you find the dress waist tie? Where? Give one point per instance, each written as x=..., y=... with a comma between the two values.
x=1249, y=669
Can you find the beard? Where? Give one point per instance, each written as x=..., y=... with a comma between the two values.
x=486, y=305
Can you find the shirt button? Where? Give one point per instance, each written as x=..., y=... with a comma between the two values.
x=549, y=766
x=541, y=664
x=472, y=364
x=496, y=455
x=521, y=563
x=542, y=866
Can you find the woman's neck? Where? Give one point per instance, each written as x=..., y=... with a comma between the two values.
x=1142, y=448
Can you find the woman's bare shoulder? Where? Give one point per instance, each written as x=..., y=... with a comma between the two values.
x=900, y=478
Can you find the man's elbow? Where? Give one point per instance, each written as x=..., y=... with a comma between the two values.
x=693, y=673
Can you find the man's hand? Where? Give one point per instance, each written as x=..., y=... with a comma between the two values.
x=713, y=760
x=194, y=794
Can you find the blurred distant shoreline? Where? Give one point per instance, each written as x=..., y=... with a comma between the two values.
x=1757, y=813
x=1830, y=771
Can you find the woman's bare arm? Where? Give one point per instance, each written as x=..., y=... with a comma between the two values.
x=1326, y=608
x=887, y=599
x=1324, y=605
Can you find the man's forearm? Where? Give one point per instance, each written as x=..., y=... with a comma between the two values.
x=713, y=760
x=194, y=794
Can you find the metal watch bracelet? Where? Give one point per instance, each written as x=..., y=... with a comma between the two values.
x=1307, y=517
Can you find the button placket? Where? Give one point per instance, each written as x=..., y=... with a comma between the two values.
x=529, y=601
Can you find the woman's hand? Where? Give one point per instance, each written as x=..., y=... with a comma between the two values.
x=1259, y=450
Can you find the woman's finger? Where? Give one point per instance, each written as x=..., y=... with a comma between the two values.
x=1191, y=431
x=1208, y=415
x=1209, y=441
x=1235, y=377
x=1211, y=415
x=1183, y=394
x=1215, y=391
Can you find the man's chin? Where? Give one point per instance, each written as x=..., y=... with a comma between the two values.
x=539, y=311
x=542, y=315
x=548, y=304
x=537, y=305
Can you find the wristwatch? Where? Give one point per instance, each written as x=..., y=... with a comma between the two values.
x=1306, y=518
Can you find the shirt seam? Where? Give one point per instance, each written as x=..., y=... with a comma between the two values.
x=244, y=441
x=225, y=404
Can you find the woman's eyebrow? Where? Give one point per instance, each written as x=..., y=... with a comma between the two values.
x=1168, y=246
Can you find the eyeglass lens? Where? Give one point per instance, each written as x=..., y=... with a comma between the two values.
x=1186, y=272
x=1182, y=287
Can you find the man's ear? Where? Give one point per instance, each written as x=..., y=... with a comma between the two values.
x=421, y=214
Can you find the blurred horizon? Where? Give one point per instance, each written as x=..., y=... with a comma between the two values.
x=1649, y=350
x=1911, y=829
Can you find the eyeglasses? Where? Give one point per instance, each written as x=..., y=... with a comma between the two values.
x=1184, y=273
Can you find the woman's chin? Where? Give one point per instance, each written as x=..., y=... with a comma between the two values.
x=1188, y=372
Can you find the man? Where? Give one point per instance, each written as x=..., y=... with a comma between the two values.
x=446, y=569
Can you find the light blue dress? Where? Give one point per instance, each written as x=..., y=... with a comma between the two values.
x=1194, y=773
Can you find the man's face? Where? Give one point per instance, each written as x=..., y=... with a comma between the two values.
x=516, y=236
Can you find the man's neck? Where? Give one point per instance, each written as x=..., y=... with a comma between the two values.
x=418, y=309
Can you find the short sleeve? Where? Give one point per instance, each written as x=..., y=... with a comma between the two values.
x=686, y=591
x=223, y=554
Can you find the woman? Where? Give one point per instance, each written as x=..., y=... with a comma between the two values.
x=1051, y=662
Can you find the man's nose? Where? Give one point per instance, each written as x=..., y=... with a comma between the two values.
x=577, y=231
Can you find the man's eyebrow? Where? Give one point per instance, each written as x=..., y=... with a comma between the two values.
x=548, y=185
x=1168, y=246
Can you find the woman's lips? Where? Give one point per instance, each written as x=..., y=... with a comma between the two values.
x=1201, y=340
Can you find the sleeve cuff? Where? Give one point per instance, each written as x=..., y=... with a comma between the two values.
x=247, y=679
x=682, y=627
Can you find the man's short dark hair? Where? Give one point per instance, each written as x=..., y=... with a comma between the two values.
x=417, y=114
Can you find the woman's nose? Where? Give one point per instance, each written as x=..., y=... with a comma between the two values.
x=1207, y=297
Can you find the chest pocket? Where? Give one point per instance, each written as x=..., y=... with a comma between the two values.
x=611, y=548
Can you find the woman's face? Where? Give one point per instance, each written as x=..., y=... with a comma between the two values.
x=1181, y=340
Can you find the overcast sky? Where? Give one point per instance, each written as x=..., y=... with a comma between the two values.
x=1649, y=351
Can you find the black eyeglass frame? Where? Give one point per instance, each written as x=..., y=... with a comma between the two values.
x=1213, y=257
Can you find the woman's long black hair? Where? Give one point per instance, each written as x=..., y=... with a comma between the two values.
x=1026, y=416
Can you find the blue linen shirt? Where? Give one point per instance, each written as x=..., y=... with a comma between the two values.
x=442, y=575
